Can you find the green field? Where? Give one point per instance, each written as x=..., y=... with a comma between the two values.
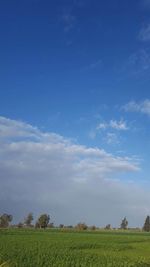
x=44, y=248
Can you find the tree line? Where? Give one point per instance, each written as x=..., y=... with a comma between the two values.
x=43, y=221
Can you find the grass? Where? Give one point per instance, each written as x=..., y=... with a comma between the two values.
x=54, y=248
x=4, y=264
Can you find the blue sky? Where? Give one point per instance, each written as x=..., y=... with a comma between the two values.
x=78, y=69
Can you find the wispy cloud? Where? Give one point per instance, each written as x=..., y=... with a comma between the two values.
x=80, y=3
x=69, y=21
x=136, y=65
x=69, y=17
x=144, y=34
x=45, y=171
x=145, y=3
x=120, y=125
x=93, y=65
x=102, y=126
x=111, y=138
x=139, y=62
x=109, y=131
x=142, y=107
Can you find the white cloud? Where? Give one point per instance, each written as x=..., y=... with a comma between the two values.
x=118, y=125
x=12, y=128
x=144, y=34
x=102, y=125
x=142, y=107
x=114, y=124
x=45, y=172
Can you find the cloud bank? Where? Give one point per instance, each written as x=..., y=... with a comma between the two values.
x=45, y=172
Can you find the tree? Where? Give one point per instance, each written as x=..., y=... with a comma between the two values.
x=43, y=221
x=146, y=226
x=37, y=225
x=5, y=219
x=81, y=226
x=50, y=225
x=20, y=225
x=124, y=224
x=28, y=219
x=108, y=227
x=93, y=228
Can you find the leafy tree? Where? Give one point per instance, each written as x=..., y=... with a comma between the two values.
x=5, y=219
x=28, y=219
x=108, y=227
x=124, y=224
x=81, y=226
x=146, y=226
x=43, y=221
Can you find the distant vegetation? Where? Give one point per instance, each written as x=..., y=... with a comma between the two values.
x=43, y=221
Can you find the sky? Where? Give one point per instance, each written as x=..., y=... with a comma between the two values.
x=75, y=110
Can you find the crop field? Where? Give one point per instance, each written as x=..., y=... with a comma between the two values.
x=55, y=248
